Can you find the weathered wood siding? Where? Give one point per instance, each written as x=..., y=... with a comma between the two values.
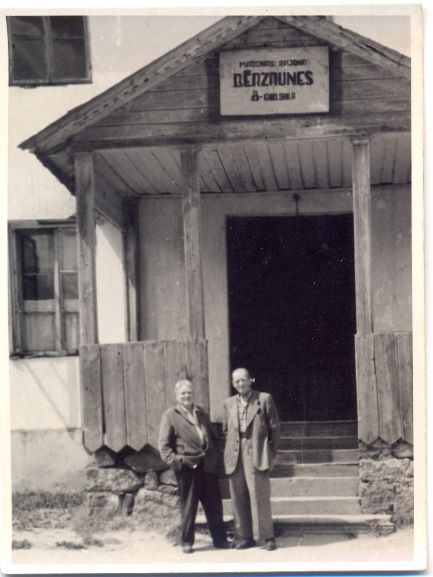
x=126, y=387
x=384, y=389
x=192, y=95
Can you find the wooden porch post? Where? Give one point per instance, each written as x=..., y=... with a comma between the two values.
x=130, y=214
x=368, y=414
x=191, y=242
x=362, y=225
x=86, y=224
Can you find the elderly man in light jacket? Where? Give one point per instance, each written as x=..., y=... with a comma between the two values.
x=252, y=429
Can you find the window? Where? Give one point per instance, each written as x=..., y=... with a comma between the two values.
x=48, y=50
x=44, y=290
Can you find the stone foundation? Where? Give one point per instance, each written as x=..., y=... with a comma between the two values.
x=138, y=488
x=386, y=480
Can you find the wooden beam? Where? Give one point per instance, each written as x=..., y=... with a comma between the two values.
x=198, y=133
x=362, y=226
x=191, y=242
x=86, y=225
x=130, y=209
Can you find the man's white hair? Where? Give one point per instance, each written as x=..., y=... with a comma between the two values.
x=181, y=383
x=241, y=369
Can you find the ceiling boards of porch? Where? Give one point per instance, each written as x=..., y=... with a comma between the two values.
x=253, y=166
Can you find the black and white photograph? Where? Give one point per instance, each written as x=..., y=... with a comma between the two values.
x=214, y=357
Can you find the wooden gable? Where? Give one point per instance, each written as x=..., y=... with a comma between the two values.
x=192, y=95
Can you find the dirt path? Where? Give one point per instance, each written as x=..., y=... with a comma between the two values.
x=150, y=548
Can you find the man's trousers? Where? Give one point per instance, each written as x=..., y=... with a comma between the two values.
x=196, y=485
x=250, y=491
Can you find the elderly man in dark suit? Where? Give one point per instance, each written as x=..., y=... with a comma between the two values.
x=188, y=444
x=252, y=428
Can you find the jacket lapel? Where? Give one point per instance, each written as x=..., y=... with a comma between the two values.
x=253, y=407
x=194, y=437
x=234, y=412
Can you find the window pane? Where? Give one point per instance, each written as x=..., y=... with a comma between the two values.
x=69, y=282
x=38, y=332
x=68, y=251
x=26, y=25
x=29, y=61
x=38, y=287
x=37, y=262
x=69, y=60
x=67, y=26
x=71, y=331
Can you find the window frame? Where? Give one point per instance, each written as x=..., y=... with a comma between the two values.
x=50, y=80
x=60, y=305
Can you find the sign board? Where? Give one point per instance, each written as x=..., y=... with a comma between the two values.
x=274, y=81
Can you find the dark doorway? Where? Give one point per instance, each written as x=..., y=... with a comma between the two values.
x=292, y=311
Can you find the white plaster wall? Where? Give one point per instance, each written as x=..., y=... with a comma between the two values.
x=45, y=393
x=110, y=284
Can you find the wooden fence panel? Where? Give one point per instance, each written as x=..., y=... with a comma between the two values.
x=126, y=387
x=368, y=412
x=388, y=393
x=156, y=398
x=91, y=397
x=135, y=395
x=114, y=396
x=405, y=373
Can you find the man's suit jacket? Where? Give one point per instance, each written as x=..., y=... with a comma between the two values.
x=263, y=428
x=180, y=444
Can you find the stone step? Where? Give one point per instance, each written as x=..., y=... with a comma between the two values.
x=309, y=506
x=319, y=428
x=289, y=456
x=287, y=525
x=325, y=443
x=307, y=487
x=315, y=470
x=315, y=487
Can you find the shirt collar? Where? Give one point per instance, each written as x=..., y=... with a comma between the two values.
x=240, y=399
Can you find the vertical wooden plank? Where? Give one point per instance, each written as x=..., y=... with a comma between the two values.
x=156, y=402
x=175, y=367
x=86, y=225
x=320, y=154
x=362, y=226
x=388, y=393
x=130, y=209
x=197, y=370
x=135, y=394
x=293, y=165
x=405, y=374
x=279, y=162
x=191, y=243
x=368, y=415
x=114, y=396
x=306, y=163
x=253, y=161
x=91, y=397
x=335, y=159
x=266, y=166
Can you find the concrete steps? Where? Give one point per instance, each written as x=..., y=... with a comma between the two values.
x=298, y=525
x=315, y=481
x=307, y=506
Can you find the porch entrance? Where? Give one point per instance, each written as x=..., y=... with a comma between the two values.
x=292, y=311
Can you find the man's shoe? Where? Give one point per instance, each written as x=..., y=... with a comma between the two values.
x=186, y=548
x=246, y=544
x=270, y=545
x=224, y=545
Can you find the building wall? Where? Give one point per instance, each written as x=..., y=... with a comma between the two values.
x=161, y=262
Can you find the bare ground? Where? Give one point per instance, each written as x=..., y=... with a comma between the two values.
x=56, y=546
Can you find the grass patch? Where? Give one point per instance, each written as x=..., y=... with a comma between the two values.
x=21, y=544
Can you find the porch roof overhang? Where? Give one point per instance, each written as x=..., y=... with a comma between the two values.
x=307, y=139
